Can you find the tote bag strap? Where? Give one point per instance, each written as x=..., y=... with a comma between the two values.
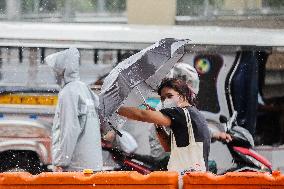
x=173, y=141
x=191, y=137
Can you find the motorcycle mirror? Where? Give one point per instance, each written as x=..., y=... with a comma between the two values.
x=223, y=119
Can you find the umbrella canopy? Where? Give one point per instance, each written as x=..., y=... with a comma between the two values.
x=132, y=80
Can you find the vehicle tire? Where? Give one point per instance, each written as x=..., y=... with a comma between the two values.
x=18, y=161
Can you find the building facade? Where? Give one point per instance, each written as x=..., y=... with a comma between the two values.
x=242, y=13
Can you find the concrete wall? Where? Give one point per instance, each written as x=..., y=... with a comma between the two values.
x=151, y=12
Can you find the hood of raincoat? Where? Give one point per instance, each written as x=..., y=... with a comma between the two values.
x=65, y=64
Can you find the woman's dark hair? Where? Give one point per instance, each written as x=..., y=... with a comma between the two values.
x=179, y=86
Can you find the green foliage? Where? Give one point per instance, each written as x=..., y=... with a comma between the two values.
x=92, y=5
x=116, y=5
x=2, y=6
x=29, y=6
x=275, y=3
x=216, y=3
x=189, y=7
x=50, y=5
x=85, y=5
x=196, y=7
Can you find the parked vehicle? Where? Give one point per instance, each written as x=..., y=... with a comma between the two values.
x=135, y=162
x=244, y=158
x=25, y=128
x=24, y=145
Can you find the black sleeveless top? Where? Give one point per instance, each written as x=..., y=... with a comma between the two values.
x=180, y=130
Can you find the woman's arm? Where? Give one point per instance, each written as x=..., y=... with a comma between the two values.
x=149, y=116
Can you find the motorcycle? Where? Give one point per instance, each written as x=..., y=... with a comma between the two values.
x=135, y=162
x=244, y=158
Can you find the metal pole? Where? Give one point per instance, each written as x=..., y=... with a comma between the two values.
x=96, y=56
x=20, y=49
x=101, y=6
x=1, y=63
x=68, y=13
x=206, y=7
x=42, y=54
x=32, y=66
x=36, y=7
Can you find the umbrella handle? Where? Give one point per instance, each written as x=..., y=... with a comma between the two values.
x=115, y=130
x=149, y=107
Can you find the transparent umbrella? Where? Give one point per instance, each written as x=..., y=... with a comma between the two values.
x=134, y=79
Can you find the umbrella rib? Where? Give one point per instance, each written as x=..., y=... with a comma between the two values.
x=158, y=52
x=140, y=94
x=136, y=88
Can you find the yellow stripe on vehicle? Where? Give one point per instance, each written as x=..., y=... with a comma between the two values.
x=29, y=100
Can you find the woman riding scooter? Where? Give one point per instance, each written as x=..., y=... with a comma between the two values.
x=187, y=73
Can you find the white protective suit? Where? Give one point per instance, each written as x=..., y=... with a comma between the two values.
x=76, y=137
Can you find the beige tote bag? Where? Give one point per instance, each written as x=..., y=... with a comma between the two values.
x=189, y=158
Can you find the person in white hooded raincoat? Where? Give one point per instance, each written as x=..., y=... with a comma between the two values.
x=76, y=137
